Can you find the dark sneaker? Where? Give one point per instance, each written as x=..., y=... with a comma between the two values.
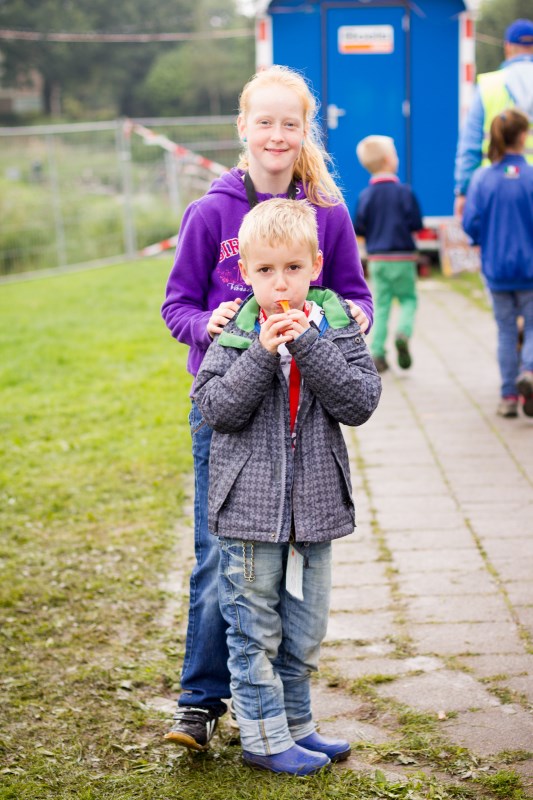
x=508, y=407
x=524, y=385
x=402, y=347
x=380, y=363
x=193, y=727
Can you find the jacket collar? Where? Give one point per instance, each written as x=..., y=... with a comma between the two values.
x=244, y=321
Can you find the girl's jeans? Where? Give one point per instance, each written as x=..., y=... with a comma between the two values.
x=508, y=306
x=392, y=279
x=205, y=675
x=273, y=638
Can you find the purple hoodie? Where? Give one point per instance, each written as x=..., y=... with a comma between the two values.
x=206, y=271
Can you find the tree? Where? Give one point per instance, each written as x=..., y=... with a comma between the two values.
x=198, y=78
x=98, y=74
x=494, y=17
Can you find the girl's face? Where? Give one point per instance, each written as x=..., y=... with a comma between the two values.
x=274, y=129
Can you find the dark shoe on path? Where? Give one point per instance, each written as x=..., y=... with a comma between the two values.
x=508, y=407
x=525, y=388
x=193, y=727
x=380, y=363
x=335, y=749
x=402, y=347
x=294, y=761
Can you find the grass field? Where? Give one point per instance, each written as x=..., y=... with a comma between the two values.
x=94, y=449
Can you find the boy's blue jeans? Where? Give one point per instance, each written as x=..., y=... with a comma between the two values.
x=273, y=638
x=508, y=306
x=205, y=675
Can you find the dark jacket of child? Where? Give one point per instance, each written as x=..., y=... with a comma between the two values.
x=260, y=486
x=387, y=214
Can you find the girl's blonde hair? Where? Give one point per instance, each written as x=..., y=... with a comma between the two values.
x=505, y=132
x=311, y=166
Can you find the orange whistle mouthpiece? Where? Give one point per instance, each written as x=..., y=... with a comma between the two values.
x=284, y=304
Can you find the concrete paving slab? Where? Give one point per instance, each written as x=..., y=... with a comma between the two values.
x=442, y=560
x=515, y=569
x=373, y=573
x=437, y=692
x=361, y=598
x=365, y=627
x=466, y=638
x=450, y=583
x=500, y=664
x=430, y=540
x=356, y=668
x=492, y=730
x=479, y=608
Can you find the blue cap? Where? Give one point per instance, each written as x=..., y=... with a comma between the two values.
x=520, y=32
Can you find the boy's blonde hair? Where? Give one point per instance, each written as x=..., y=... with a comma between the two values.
x=279, y=221
x=373, y=151
x=311, y=166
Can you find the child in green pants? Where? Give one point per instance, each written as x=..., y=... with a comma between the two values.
x=387, y=214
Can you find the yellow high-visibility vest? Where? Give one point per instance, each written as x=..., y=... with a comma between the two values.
x=496, y=98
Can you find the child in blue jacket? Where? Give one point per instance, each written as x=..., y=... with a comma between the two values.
x=498, y=216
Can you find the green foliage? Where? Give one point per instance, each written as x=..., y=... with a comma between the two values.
x=494, y=17
x=198, y=78
x=85, y=78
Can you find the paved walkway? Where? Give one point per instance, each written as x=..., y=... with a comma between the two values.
x=435, y=588
x=432, y=603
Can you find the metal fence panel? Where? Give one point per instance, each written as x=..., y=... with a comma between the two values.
x=72, y=194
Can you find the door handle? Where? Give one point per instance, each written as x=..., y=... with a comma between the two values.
x=334, y=112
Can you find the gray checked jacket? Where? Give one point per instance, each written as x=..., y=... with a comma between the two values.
x=259, y=485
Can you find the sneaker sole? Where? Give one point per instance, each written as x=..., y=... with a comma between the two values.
x=185, y=740
x=526, y=392
x=404, y=356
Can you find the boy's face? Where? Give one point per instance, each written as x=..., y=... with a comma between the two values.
x=280, y=272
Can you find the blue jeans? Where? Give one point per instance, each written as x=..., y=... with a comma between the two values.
x=508, y=306
x=273, y=638
x=205, y=675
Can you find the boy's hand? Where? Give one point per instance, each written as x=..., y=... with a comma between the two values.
x=222, y=315
x=282, y=328
x=359, y=315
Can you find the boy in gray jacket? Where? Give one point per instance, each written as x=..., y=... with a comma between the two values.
x=275, y=384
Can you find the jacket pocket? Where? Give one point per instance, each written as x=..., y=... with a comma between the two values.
x=346, y=483
x=222, y=478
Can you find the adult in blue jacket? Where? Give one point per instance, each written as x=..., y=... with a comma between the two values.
x=510, y=85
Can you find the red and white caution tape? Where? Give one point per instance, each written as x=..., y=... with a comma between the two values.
x=159, y=247
x=180, y=152
x=177, y=150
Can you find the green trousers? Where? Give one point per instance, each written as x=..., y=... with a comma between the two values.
x=390, y=280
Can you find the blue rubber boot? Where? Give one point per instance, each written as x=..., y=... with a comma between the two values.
x=294, y=761
x=335, y=749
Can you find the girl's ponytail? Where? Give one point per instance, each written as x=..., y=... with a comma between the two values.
x=505, y=132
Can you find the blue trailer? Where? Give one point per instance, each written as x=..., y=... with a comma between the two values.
x=400, y=69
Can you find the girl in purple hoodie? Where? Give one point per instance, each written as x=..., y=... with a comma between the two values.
x=282, y=157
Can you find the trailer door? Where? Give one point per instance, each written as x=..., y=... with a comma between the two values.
x=365, y=86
